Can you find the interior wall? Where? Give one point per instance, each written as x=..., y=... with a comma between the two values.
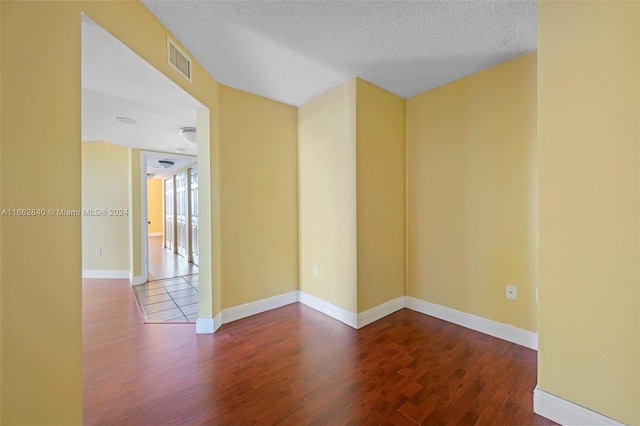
x=1, y=221
x=327, y=196
x=259, y=197
x=135, y=207
x=588, y=129
x=472, y=197
x=154, y=206
x=380, y=177
x=42, y=353
x=105, y=185
x=41, y=328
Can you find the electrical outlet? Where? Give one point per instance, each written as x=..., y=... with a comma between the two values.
x=98, y=252
x=316, y=270
x=511, y=292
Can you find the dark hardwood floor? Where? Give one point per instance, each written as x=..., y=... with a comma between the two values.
x=294, y=366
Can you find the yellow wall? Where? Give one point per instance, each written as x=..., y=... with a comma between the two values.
x=1, y=206
x=41, y=258
x=154, y=205
x=105, y=185
x=42, y=351
x=471, y=177
x=351, y=196
x=135, y=201
x=380, y=177
x=327, y=196
x=259, y=202
x=588, y=130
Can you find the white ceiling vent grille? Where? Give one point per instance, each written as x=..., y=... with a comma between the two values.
x=178, y=59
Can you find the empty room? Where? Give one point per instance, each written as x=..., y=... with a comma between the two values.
x=407, y=212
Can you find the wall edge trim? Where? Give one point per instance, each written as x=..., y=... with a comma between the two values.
x=217, y=321
x=565, y=412
x=113, y=274
x=137, y=280
x=380, y=311
x=205, y=326
x=327, y=308
x=252, y=308
x=528, y=339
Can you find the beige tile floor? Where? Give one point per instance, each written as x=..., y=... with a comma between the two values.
x=170, y=300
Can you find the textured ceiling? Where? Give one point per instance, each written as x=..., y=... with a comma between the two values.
x=293, y=51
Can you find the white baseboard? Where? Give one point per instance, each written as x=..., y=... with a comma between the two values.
x=205, y=326
x=154, y=234
x=528, y=339
x=217, y=321
x=259, y=306
x=136, y=280
x=330, y=309
x=506, y=332
x=566, y=413
x=112, y=274
x=380, y=311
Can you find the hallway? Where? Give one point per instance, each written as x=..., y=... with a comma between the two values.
x=171, y=294
x=165, y=264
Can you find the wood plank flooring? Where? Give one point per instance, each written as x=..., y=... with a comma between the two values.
x=295, y=366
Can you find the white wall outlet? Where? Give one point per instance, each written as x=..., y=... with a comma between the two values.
x=98, y=252
x=511, y=292
x=316, y=270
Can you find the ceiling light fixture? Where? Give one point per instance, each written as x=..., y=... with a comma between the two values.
x=166, y=163
x=188, y=134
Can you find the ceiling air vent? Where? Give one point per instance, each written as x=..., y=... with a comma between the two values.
x=178, y=59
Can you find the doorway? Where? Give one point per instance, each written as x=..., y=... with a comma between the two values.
x=141, y=110
x=171, y=291
x=172, y=218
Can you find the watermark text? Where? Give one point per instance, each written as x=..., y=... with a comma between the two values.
x=31, y=212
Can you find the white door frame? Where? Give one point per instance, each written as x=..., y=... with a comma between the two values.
x=144, y=217
x=144, y=231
